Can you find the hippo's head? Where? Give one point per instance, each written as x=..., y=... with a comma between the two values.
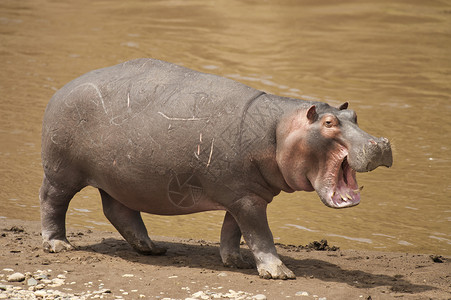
x=321, y=148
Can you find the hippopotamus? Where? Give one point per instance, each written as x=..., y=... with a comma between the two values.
x=160, y=138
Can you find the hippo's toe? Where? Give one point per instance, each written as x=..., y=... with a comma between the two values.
x=55, y=246
x=275, y=272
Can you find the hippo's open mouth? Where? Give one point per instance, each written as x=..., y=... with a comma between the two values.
x=340, y=188
x=346, y=192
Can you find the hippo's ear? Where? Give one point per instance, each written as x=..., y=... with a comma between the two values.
x=311, y=114
x=343, y=106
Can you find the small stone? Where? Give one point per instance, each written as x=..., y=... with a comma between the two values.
x=40, y=293
x=8, y=270
x=3, y=287
x=105, y=291
x=16, y=277
x=128, y=275
x=222, y=274
x=198, y=294
x=259, y=297
x=57, y=282
x=41, y=276
x=301, y=293
x=32, y=282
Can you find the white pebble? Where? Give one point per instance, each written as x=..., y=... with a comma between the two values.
x=128, y=275
x=40, y=293
x=57, y=282
x=259, y=297
x=198, y=294
x=301, y=294
x=16, y=277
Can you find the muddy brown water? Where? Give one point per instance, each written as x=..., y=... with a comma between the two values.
x=390, y=59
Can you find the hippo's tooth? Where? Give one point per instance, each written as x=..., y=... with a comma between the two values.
x=347, y=195
x=344, y=198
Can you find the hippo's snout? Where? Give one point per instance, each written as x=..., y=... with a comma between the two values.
x=374, y=153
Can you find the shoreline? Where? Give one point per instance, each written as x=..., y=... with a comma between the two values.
x=104, y=266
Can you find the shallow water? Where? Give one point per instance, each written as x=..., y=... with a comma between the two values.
x=390, y=59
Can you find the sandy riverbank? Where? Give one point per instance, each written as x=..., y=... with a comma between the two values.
x=104, y=266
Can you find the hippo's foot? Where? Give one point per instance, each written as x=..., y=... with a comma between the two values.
x=275, y=271
x=147, y=247
x=236, y=261
x=55, y=246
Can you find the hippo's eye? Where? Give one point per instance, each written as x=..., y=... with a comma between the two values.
x=330, y=121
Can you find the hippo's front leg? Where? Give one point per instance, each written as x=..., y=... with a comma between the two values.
x=250, y=214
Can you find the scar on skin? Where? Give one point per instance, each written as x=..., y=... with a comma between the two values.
x=94, y=86
x=181, y=119
x=211, y=152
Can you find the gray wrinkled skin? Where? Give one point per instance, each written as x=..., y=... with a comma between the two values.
x=159, y=138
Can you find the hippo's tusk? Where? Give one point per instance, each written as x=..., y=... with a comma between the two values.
x=358, y=190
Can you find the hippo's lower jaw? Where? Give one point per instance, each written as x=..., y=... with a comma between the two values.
x=339, y=188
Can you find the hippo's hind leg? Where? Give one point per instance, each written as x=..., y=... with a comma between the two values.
x=130, y=225
x=54, y=203
x=230, y=244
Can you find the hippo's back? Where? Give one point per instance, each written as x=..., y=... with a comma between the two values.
x=139, y=117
